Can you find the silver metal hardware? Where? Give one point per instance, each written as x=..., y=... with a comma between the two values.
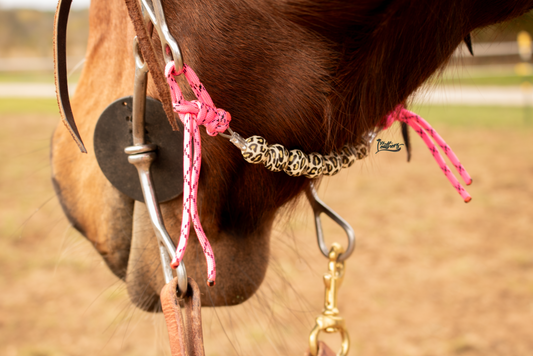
x=167, y=248
x=134, y=150
x=371, y=136
x=330, y=320
x=236, y=139
x=139, y=95
x=142, y=155
x=318, y=208
x=171, y=49
x=142, y=162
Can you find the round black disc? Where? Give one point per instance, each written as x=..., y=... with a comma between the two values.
x=113, y=134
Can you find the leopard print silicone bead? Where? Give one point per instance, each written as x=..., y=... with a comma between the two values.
x=256, y=150
x=348, y=156
x=315, y=165
x=297, y=163
x=361, y=150
x=277, y=158
x=332, y=164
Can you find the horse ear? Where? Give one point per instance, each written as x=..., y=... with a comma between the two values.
x=335, y=19
x=406, y=140
x=468, y=42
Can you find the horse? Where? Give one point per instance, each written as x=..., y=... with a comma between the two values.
x=307, y=74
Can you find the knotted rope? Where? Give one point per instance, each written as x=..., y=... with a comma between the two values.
x=422, y=127
x=203, y=112
x=192, y=114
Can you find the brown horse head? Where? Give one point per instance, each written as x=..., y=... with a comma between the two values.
x=306, y=74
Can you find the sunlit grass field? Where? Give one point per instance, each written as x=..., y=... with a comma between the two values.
x=33, y=77
x=470, y=76
x=27, y=77
x=504, y=75
x=431, y=275
x=483, y=80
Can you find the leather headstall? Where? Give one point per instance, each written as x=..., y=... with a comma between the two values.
x=60, y=66
x=60, y=70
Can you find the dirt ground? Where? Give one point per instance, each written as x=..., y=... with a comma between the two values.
x=431, y=275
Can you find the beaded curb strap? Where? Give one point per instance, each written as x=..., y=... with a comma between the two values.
x=276, y=158
x=296, y=163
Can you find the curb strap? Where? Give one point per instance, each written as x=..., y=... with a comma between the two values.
x=60, y=71
x=184, y=331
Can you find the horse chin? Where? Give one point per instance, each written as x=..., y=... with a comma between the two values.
x=241, y=260
x=120, y=230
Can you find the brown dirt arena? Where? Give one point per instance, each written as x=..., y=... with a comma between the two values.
x=430, y=274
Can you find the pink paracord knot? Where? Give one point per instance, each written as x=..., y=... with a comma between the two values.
x=203, y=112
x=193, y=114
x=422, y=127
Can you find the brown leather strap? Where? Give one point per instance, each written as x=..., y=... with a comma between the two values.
x=185, y=331
x=60, y=66
x=323, y=350
x=154, y=65
x=186, y=339
x=60, y=70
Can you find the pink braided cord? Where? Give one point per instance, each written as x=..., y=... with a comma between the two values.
x=203, y=112
x=192, y=114
x=422, y=127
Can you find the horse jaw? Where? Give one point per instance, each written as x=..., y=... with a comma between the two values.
x=118, y=227
x=241, y=261
x=279, y=79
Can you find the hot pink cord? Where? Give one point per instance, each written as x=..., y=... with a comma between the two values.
x=203, y=112
x=422, y=127
x=192, y=114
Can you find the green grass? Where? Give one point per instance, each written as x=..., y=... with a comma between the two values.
x=508, y=80
x=28, y=106
x=505, y=75
x=476, y=116
x=27, y=77
x=453, y=115
x=34, y=77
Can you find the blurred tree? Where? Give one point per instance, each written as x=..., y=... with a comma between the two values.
x=28, y=33
x=506, y=31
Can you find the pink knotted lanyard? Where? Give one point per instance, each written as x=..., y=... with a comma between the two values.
x=192, y=114
x=203, y=112
x=421, y=126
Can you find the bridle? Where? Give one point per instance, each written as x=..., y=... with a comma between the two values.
x=180, y=289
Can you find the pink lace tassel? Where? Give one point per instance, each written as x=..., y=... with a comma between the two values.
x=410, y=116
x=193, y=114
x=419, y=125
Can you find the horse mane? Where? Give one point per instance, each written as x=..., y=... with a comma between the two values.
x=374, y=53
x=307, y=74
x=388, y=48
x=314, y=74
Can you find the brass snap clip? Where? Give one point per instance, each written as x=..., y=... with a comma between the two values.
x=330, y=321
